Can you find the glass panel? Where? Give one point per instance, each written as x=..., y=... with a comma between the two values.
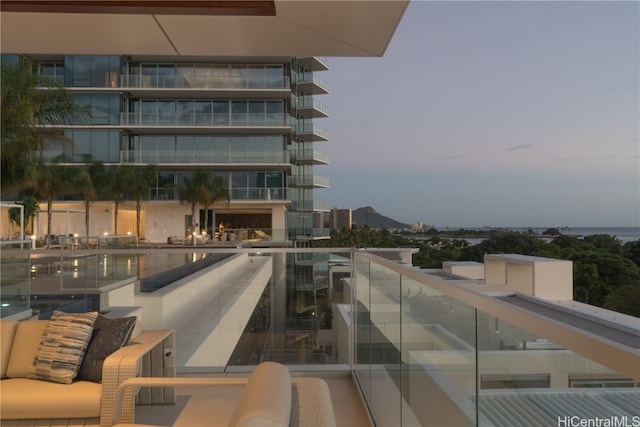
x=363, y=339
x=203, y=112
x=274, y=76
x=275, y=179
x=239, y=185
x=166, y=75
x=114, y=109
x=100, y=104
x=149, y=75
x=521, y=374
x=221, y=149
x=256, y=107
x=239, y=149
x=100, y=146
x=185, y=112
x=166, y=113
x=239, y=113
x=165, y=188
x=185, y=149
x=149, y=112
x=81, y=147
x=113, y=152
x=385, y=324
x=80, y=71
x=438, y=340
x=220, y=112
x=100, y=75
x=15, y=282
x=184, y=75
x=203, y=149
x=275, y=111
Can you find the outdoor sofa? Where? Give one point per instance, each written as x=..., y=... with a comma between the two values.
x=29, y=396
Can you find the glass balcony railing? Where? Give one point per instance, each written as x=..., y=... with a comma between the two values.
x=207, y=120
x=173, y=156
x=310, y=157
x=312, y=83
x=307, y=130
x=236, y=194
x=425, y=350
x=310, y=103
x=308, y=205
x=204, y=82
x=309, y=181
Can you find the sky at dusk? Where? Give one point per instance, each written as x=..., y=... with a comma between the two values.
x=501, y=113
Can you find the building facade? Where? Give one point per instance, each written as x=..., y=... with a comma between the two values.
x=251, y=122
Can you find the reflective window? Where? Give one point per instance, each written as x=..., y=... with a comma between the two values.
x=166, y=113
x=165, y=188
x=104, y=108
x=203, y=112
x=88, y=146
x=185, y=112
x=53, y=70
x=203, y=148
x=91, y=71
x=220, y=112
x=166, y=75
x=220, y=149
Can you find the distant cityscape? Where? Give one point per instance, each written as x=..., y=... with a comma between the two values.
x=367, y=216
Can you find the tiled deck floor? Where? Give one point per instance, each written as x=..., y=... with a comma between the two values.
x=212, y=406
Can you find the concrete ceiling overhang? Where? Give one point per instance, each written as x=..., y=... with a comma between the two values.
x=297, y=28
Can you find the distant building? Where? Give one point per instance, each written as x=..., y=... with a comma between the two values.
x=340, y=218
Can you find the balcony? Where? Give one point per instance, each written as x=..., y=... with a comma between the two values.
x=229, y=123
x=206, y=86
x=310, y=107
x=306, y=130
x=314, y=63
x=209, y=157
x=311, y=205
x=310, y=157
x=422, y=347
x=309, y=233
x=309, y=181
x=311, y=84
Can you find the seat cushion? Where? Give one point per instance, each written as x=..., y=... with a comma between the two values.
x=62, y=347
x=7, y=332
x=266, y=399
x=25, y=345
x=24, y=398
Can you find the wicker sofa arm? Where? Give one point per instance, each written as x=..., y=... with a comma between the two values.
x=148, y=354
x=124, y=393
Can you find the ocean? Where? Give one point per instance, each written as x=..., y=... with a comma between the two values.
x=624, y=234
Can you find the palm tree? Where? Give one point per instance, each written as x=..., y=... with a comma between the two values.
x=52, y=181
x=119, y=179
x=91, y=183
x=213, y=192
x=191, y=192
x=143, y=179
x=30, y=102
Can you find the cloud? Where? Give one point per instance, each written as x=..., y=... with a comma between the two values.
x=520, y=147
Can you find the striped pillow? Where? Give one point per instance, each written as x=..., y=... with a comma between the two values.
x=62, y=347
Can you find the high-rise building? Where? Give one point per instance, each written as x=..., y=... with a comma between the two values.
x=233, y=88
x=340, y=218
